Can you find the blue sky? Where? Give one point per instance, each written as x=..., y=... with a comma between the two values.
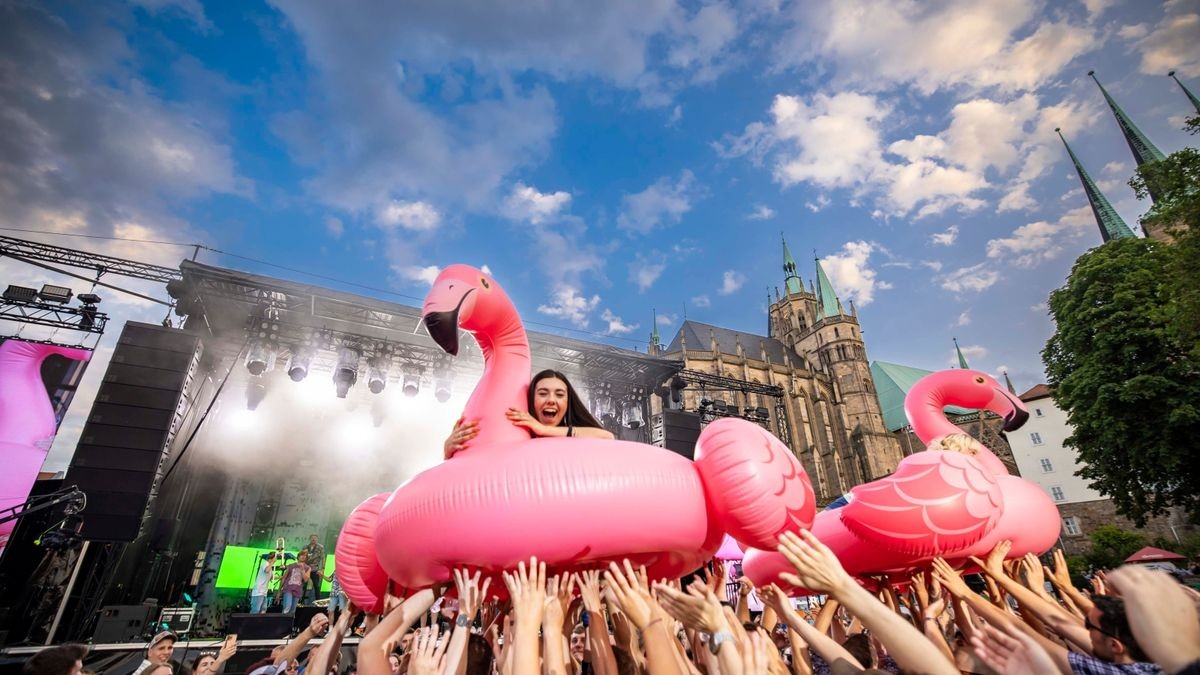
x=602, y=159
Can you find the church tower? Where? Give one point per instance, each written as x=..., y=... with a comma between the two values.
x=1112, y=226
x=815, y=324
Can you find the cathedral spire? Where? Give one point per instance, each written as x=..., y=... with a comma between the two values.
x=1191, y=97
x=827, y=300
x=1143, y=150
x=1008, y=383
x=655, y=340
x=1112, y=226
x=962, y=360
x=794, y=284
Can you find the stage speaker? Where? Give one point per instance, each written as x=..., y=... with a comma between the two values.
x=677, y=431
x=122, y=452
x=260, y=626
x=304, y=615
x=124, y=623
x=178, y=620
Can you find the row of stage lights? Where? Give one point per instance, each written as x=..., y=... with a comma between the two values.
x=261, y=357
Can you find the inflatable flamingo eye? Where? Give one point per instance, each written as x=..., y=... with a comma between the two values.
x=980, y=380
x=484, y=282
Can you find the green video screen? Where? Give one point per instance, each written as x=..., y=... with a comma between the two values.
x=239, y=565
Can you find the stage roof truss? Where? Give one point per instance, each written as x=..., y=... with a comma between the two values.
x=53, y=315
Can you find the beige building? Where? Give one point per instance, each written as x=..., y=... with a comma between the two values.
x=827, y=410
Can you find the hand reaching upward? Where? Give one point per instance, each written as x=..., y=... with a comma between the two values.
x=817, y=568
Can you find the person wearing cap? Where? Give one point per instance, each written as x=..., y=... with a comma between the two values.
x=64, y=659
x=162, y=646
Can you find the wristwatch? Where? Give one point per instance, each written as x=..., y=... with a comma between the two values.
x=462, y=621
x=719, y=638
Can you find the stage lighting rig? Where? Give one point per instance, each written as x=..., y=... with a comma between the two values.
x=377, y=374
x=631, y=414
x=20, y=293
x=345, y=374
x=298, y=362
x=412, y=380
x=443, y=386
x=57, y=294
x=260, y=357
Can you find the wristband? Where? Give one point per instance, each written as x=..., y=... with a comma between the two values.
x=570, y=431
x=462, y=621
x=719, y=638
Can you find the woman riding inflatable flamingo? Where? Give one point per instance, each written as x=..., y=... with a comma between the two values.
x=954, y=500
x=572, y=502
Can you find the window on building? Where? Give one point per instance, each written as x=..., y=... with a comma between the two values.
x=1071, y=526
x=1047, y=465
x=1057, y=493
x=835, y=331
x=1037, y=412
x=1035, y=438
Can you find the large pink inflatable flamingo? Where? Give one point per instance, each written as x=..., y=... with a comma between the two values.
x=937, y=503
x=27, y=423
x=573, y=502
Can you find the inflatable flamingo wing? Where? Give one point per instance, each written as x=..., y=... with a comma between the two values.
x=355, y=562
x=935, y=501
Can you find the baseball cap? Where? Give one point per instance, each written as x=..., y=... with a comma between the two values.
x=163, y=635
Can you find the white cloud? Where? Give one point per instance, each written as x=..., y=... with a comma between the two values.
x=731, y=282
x=1096, y=7
x=616, y=326
x=1016, y=199
x=816, y=205
x=663, y=203
x=851, y=274
x=1034, y=243
x=527, y=204
x=568, y=303
x=426, y=274
x=761, y=212
x=1009, y=44
x=972, y=353
x=834, y=140
x=645, y=271
x=666, y=319
x=975, y=278
x=413, y=216
x=935, y=265
x=701, y=301
x=1133, y=31
x=676, y=116
x=485, y=269
x=963, y=319
x=1172, y=45
x=1039, y=307
x=334, y=227
x=1116, y=168
x=946, y=238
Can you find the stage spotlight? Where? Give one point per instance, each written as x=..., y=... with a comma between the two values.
x=631, y=416
x=58, y=294
x=255, y=393
x=719, y=406
x=298, y=363
x=412, y=381
x=345, y=374
x=443, y=387
x=260, y=358
x=377, y=375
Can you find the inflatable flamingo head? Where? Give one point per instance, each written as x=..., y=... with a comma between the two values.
x=464, y=296
x=961, y=387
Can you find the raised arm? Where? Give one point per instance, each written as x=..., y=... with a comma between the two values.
x=1064, y=623
x=315, y=627
x=699, y=609
x=527, y=588
x=604, y=662
x=470, y=597
x=631, y=594
x=374, y=648
x=822, y=644
x=817, y=568
x=558, y=598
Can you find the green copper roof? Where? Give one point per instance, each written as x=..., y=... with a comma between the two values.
x=1191, y=97
x=892, y=382
x=654, y=338
x=827, y=300
x=794, y=285
x=1112, y=226
x=1143, y=150
x=962, y=360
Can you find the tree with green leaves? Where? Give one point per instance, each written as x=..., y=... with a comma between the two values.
x=1111, y=546
x=1131, y=391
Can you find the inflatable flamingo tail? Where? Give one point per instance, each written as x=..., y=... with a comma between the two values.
x=755, y=486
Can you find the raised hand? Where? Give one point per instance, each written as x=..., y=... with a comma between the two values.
x=716, y=580
x=527, y=589
x=558, y=598
x=1162, y=615
x=318, y=623
x=755, y=657
x=522, y=418
x=428, y=656
x=629, y=593
x=470, y=594
x=950, y=579
x=1062, y=573
x=1011, y=651
x=1034, y=577
x=994, y=565
x=589, y=590
x=775, y=599
x=745, y=587
x=698, y=608
x=817, y=568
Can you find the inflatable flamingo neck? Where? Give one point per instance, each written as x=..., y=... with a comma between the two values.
x=504, y=384
x=926, y=400
x=465, y=297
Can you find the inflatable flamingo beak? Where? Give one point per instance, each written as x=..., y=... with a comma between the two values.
x=1011, y=408
x=443, y=326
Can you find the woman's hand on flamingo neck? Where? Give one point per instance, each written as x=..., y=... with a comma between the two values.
x=524, y=420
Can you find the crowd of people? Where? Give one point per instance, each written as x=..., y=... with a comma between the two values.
x=1027, y=618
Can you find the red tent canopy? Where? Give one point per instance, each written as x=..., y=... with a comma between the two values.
x=1150, y=554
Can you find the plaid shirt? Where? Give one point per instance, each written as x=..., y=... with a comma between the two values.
x=1082, y=664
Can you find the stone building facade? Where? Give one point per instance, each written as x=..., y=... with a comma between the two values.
x=814, y=350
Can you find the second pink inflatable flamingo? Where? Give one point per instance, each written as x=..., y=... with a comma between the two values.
x=937, y=503
x=573, y=502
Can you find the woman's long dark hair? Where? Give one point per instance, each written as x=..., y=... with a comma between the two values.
x=577, y=413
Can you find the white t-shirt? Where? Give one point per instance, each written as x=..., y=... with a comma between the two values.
x=263, y=579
